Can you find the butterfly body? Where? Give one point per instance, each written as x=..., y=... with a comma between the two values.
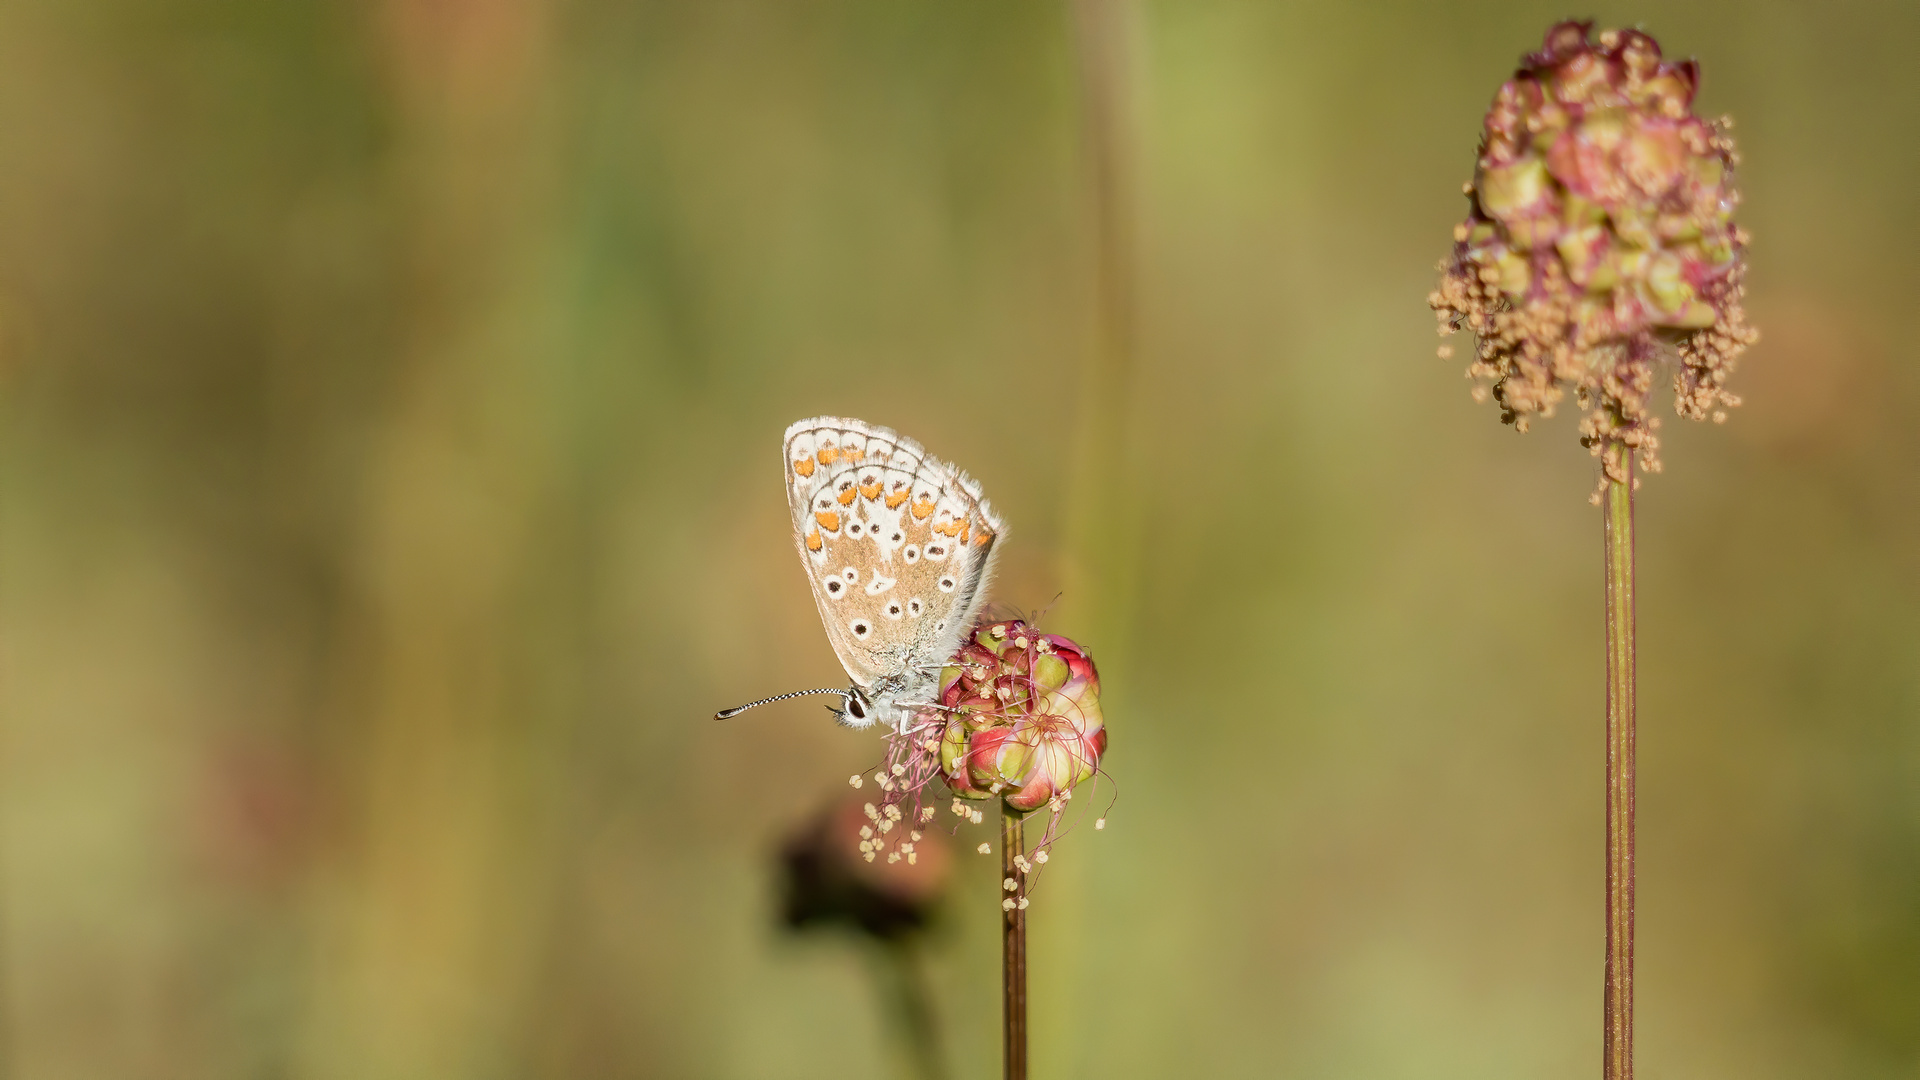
x=897, y=546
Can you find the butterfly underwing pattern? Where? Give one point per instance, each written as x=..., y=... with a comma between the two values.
x=897, y=546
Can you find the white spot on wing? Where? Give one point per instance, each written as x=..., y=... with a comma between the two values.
x=889, y=535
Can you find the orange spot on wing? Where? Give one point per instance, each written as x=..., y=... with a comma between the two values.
x=813, y=541
x=951, y=528
x=828, y=455
x=847, y=497
x=871, y=491
x=828, y=520
x=803, y=467
x=981, y=538
x=853, y=453
x=922, y=508
x=894, y=500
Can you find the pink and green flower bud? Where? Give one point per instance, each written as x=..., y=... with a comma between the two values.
x=1599, y=243
x=1024, y=720
x=830, y=877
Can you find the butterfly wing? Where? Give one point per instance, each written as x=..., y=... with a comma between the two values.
x=897, y=545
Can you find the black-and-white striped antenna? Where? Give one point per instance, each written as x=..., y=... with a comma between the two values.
x=725, y=714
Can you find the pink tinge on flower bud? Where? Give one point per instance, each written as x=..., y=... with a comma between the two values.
x=1024, y=716
x=1600, y=243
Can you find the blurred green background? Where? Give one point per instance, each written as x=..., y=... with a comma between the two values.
x=389, y=402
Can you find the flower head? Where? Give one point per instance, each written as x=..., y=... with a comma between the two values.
x=1023, y=717
x=828, y=877
x=1599, y=241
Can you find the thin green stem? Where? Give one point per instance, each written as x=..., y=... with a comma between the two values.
x=1617, y=1040
x=1102, y=515
x=1013, y=941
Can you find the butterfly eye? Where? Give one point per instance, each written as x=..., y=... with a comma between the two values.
x=855, y=709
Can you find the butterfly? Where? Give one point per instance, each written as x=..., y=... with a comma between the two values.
x=897, y=546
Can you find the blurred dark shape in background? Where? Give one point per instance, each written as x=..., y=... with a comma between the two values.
x=390, y=397
x=827, y=883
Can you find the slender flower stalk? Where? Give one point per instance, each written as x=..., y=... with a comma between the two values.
x=1617, y=1041
x=1599, y=249
x=1013, y=945
x=1103, y=512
